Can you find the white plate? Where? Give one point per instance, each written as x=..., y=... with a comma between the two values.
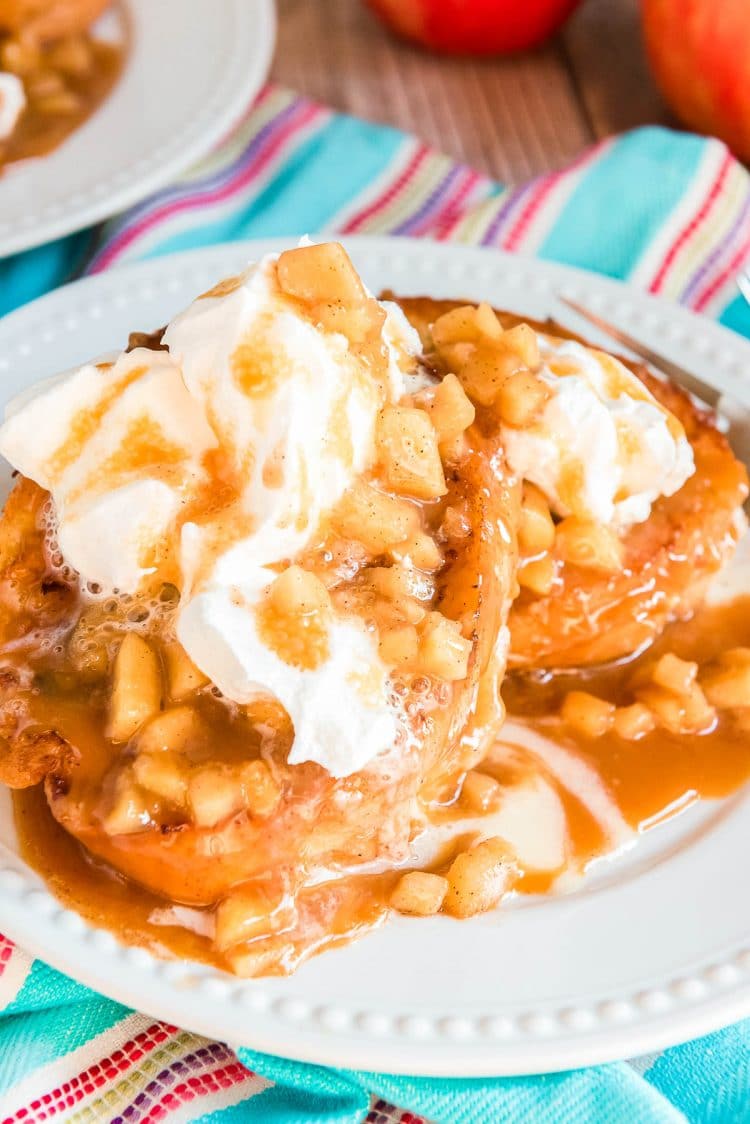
x=654, y=950
x=192, y=69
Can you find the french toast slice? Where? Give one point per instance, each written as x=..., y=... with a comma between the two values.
x=668, y=560
x=54, y=720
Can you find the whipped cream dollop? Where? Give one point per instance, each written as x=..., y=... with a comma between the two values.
x=602, y=447
x=12, y=102
x=216, y=461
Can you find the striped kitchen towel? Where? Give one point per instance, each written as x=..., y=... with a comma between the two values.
x=669, y=212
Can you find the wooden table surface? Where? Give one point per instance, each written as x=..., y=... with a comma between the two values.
x=512, y=117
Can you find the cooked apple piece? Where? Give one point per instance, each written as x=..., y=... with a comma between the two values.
x=726, y=682
x=419, y=893
x=443, y=651
x=419, y=550
x=486, y=369
x=478, y=878
x=450, y=410
x=375, y=519
x=175, y=729
x=521, y=398
x=320, y=273
x=523, y=340
x=587, y=714
x=633, y=722
x=298, y=592
x=359, y=323
x=538, y=574
x=260, y=792
x=214, y=794
x=183, y=676
x=457, y=325
x=480, y=792
x=586, y=543
x=536, y=530
x=136, y=687
x=399, y=645
x=408, y=453
x=250, y=911
x=163, y=774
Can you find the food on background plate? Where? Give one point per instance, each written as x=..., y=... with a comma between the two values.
x=54, y=72
x=256, y=578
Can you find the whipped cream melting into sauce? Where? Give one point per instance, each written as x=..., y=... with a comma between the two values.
x=214, y=464
x=602, y=448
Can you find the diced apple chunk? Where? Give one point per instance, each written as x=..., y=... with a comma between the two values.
x=523, y=340
x=478, y=878
x=320, y=273
x=298, y=592
x=175, y=729
x=214, y=794
x=375, y=519
x=456, y=326
x=408, y=453
x=182, y=674
x=163, y=774
x=252, y=911
x=451, y=411
x=399, y=645
x=443, y=651
x=479, y=792
x=419, y=550
x=260, y=792
x=136, y=688
x=419, y=893
x=485, y=371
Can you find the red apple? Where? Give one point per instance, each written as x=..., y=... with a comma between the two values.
x=475, y=27
x=700, y=55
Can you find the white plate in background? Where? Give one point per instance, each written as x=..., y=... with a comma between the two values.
x=191, y=71
x=652, y=950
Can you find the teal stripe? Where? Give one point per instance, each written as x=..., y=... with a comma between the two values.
x=24, y=277
x=708, y=1080
x=737, y=315
x=323, y=175
x=623, y=200
x=44, y=987
x=286, y=1105
x=33, y=1040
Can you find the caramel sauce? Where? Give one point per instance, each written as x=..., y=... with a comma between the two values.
x=647, y=780
x=661, y=771
x=38, y=133
x=299, y=639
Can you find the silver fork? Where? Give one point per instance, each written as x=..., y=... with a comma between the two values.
x=735, y=414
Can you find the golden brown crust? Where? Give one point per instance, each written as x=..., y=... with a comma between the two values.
x=669, y=559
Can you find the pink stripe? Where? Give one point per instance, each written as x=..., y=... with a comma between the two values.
x=726, y=275
x=389, y=194
x=547, y=186
x=511, y=242
x=127, y=237
x=695, y=223
x=452, y=212
x=205, y=1084
x=6, y=952
x=97, y=1076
